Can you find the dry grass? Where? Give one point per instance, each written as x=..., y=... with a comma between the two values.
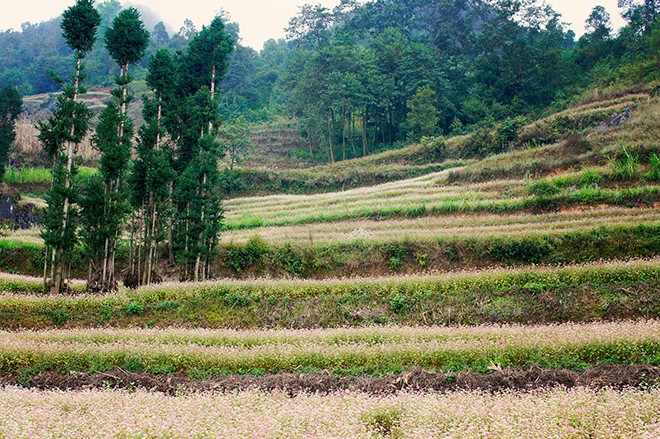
x=449, y=226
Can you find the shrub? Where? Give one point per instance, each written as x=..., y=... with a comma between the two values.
x=240, y=258
x=590, y=179
x=507, y=131
x=543, y=188
x=654, y=168
x=134, y=309
x=435, y=149
x=384, y=422
x=529, y=250
x=624, y=165
x=294, y=261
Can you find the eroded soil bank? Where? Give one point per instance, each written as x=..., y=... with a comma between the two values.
x=416, y=379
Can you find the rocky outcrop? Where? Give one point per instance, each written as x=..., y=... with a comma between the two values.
x=14, y=213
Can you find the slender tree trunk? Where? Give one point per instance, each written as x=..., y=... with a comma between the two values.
x=351, y=131
x=46, y=269
x=158, y=120
x=330, y=145
x=170, y=226
x=57, y=278
x=365, y=149
x=152, y=247
x=201, y=232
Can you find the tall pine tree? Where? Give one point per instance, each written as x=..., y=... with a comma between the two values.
x=152, y=175
x=199, y=211
x=126, y=41
x=60, y=135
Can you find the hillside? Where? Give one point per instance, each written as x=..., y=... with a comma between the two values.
x=448, y=226
x=566, y=178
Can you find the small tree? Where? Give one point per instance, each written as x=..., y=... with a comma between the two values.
x=60, y=135
x=199, y=214
x=598, y=24
x=422, y=119
x=10, y=107
x=235, y=140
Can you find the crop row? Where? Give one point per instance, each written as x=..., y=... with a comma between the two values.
x=407, y=254
x=204, y=354
x=579, y=293
x=252, y=213
x=447, y=226
x=606, y=414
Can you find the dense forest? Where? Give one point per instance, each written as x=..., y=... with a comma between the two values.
x=361, y=77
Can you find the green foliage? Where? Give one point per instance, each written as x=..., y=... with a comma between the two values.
x=507, y=132
x=422, y=119
x=384, y=422
x=58, y=317
x=653, y=173
x=127, y=39
x=543, y=188
x=533, y=250
x=199, y=214
x=79, y=26
x=235, y=140
x=590, y=178
x=207, y=55
x=134, y=309
x=625, y=165
x=240, y=258
x=10, y=107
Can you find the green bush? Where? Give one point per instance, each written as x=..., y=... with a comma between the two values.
x=507, y=132
x=590, y=179
x=240, y=258
x=625, y=165
x=543, y=188
x=654, y=168
x=134, y=309
x=384, y=422
x=532, y=250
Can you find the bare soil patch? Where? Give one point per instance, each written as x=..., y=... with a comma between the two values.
x=416, y=379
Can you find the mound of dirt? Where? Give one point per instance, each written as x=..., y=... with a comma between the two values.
x=416, y=379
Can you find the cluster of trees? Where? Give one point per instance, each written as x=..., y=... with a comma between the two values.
x=10, y=107
x=169, y=193
x=28, y=54
x=389, y=71
x=364, y=76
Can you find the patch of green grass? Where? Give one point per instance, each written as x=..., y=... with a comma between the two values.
x=39, y=174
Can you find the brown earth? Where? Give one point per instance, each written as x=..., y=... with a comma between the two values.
x=416, y=379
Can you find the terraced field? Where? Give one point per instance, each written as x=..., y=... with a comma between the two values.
x=512, y=297
x=446, y=226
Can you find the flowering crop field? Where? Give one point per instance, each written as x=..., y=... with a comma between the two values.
x=373, y=350
x=448, y=226
x=576, y=413
x=413, y=197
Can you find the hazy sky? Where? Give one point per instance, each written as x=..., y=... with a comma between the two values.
x=259, y=19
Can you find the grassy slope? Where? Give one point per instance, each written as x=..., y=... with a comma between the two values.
x=598, y=291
